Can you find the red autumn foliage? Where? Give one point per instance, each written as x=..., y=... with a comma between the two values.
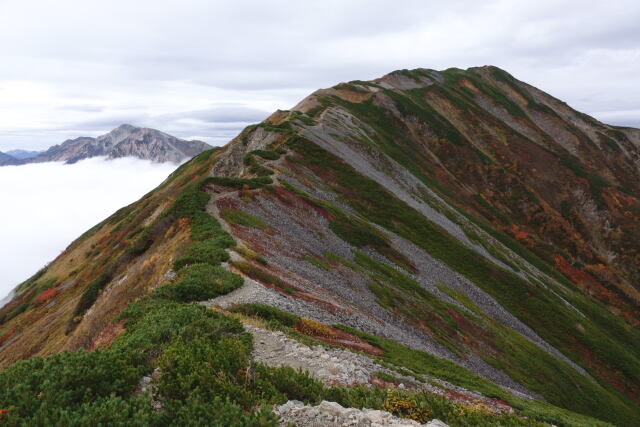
x=46, y=295
x=107, y=335
x=347, y=340
x=521, y=236
x=574, y=274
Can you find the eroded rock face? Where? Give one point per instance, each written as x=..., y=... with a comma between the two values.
x=123, y=141
x=331, y=414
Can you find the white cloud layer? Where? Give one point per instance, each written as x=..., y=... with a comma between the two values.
x=81, y=67
x=45, y=206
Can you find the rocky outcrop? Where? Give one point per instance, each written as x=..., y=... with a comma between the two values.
x=331, y=366
x=341, y=367
x=124, y=141
x=331, y=414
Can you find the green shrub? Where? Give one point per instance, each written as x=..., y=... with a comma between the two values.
x=358, y=233
x=266, y=312
x=255, y=167
x=351, y=87
x=318, y=262
x=153, y=323
x=189, y=201
x=262, y=276
x=266, y=154
x=238, y=217
x=90, y=295
x=250, y=254
x=199, y=282
x=206, y=368
x=303, y=118
x=142, y=243
x=203, y=360
x=278, y=385
x=205, y=226
x=65, y=381
x=356, y=397
x=261, y=171
x=104, y=411
x=205, y=251
x=284, y=127
x=196, y=412
x=249, y=160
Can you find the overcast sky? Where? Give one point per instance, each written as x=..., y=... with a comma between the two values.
x=205, y=69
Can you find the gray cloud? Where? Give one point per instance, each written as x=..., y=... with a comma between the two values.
x=229, y=113
x=196, y=67
x=87, y=108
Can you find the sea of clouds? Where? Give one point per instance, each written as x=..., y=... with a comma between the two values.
x=45, y=206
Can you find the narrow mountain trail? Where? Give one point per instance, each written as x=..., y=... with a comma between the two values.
x=331, y=414
x=334, y=366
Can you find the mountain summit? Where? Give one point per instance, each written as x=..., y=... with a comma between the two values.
x=435, y=244
x=123, y=141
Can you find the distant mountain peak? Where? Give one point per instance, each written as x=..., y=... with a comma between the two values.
x=126, y=127
x=124, y=141
x=23, y=154
x=7, y=159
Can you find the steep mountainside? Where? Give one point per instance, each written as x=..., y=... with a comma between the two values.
x=463, y=231
x=123, y=141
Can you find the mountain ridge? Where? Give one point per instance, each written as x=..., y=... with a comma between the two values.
x=461, y=213
x=124, y=141
x=23, y=154
x=8, y=159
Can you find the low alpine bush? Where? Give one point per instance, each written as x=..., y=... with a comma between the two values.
x=199, y=282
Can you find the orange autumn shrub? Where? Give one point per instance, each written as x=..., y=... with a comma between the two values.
x=313, y=328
